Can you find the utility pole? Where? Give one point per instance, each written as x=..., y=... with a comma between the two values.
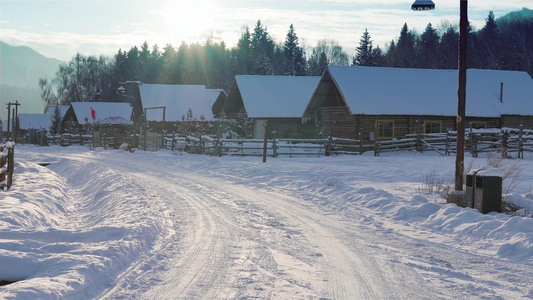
x=12, y=116
x=461, y=93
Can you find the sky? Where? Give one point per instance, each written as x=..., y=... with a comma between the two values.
x=60, y=29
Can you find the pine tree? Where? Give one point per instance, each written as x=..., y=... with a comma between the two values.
x=323, y=62
x=263, y=48
x=377, y=56
x=448, y=49
x=405, y=48
x=490, y=43
x=295, y=64
x=261, y=43
x=428, y=47
x=363, y=53
x=241, y=55
x=55, y=121
x=263, y=66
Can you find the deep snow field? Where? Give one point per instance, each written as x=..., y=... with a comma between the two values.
x=110, y=224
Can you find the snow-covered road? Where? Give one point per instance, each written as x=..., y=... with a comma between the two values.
x=227, y=228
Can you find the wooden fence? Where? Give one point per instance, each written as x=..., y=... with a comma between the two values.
x=246, y=147
x=506, y=140
x=7, y=165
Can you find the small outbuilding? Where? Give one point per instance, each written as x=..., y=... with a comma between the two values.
x=280, y=100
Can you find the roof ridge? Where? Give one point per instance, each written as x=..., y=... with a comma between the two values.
x=276, y=76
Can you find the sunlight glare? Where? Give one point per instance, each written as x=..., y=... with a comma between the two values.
x=188, y=18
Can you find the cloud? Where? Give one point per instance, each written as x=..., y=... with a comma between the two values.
x=343, y=21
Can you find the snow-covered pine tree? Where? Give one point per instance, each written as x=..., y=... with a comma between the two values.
x=263, y=66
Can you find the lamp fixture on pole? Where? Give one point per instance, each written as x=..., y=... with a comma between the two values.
x=423, y=5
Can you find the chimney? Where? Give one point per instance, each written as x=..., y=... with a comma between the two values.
x=501, y=92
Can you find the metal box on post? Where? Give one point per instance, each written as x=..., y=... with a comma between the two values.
x=469, y=190
x=488, y=190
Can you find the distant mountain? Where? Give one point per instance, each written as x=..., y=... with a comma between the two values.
x=20, y=70
x=22, y=66
x=520, y=15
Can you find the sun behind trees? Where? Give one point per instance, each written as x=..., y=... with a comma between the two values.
x=505, y=44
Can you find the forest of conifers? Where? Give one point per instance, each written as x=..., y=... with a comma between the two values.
x=505, y=44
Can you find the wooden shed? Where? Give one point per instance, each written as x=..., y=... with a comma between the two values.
x=385, y=103
x=280, y=100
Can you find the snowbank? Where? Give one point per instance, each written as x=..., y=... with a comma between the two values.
x=71, y=234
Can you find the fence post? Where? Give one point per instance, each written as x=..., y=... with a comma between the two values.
x=505, y=143
x=173, y=144
x=10, y=165
x=328, y=145
x=219, y=147
x=265, y=142
x=274, y=146
x=360, y=142
x=447, y=142
x=472, y=140
x=520, y=141
x=418, y=142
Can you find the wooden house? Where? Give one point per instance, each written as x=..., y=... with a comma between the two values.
x=113, y=117
x=386, y=103
x=280, y=100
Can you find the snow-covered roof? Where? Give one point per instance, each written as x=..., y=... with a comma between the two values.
x=110, y=113
x=400, y=91
x=276, y=96
x=34, y=121
x=177, y=99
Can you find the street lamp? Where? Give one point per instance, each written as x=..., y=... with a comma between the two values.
x=461, y=91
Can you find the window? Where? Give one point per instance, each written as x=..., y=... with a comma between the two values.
x=432, y=126
x=479, y=125
x=385, y=129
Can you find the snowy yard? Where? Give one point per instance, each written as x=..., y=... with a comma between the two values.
x=119, y=225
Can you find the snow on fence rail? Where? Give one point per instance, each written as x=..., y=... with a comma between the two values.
x=246, y=147
x=7, y=165
x=477, y=141
x=505, y=140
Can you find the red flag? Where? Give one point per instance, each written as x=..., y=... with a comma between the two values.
x=93, y=113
